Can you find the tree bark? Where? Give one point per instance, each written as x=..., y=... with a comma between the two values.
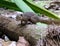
x=49, y=20
x=11, y=28
x=32, y=33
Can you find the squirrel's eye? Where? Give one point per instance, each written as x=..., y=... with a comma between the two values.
x=21, y=14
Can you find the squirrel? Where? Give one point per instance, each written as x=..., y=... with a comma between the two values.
x=27, y=16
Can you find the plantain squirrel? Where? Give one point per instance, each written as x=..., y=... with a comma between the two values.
x=28, y=16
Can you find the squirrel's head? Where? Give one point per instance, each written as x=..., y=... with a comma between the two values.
x=19, y=17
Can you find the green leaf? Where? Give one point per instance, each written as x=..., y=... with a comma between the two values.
x=9, y=5
x=41, y=10
x=23, y=6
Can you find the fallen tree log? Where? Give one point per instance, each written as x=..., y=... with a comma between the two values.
x=11, y=28
x=32, y=33
x=49, y=20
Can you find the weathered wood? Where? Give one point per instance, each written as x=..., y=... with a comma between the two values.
x=31, y=32
x=49, y=20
